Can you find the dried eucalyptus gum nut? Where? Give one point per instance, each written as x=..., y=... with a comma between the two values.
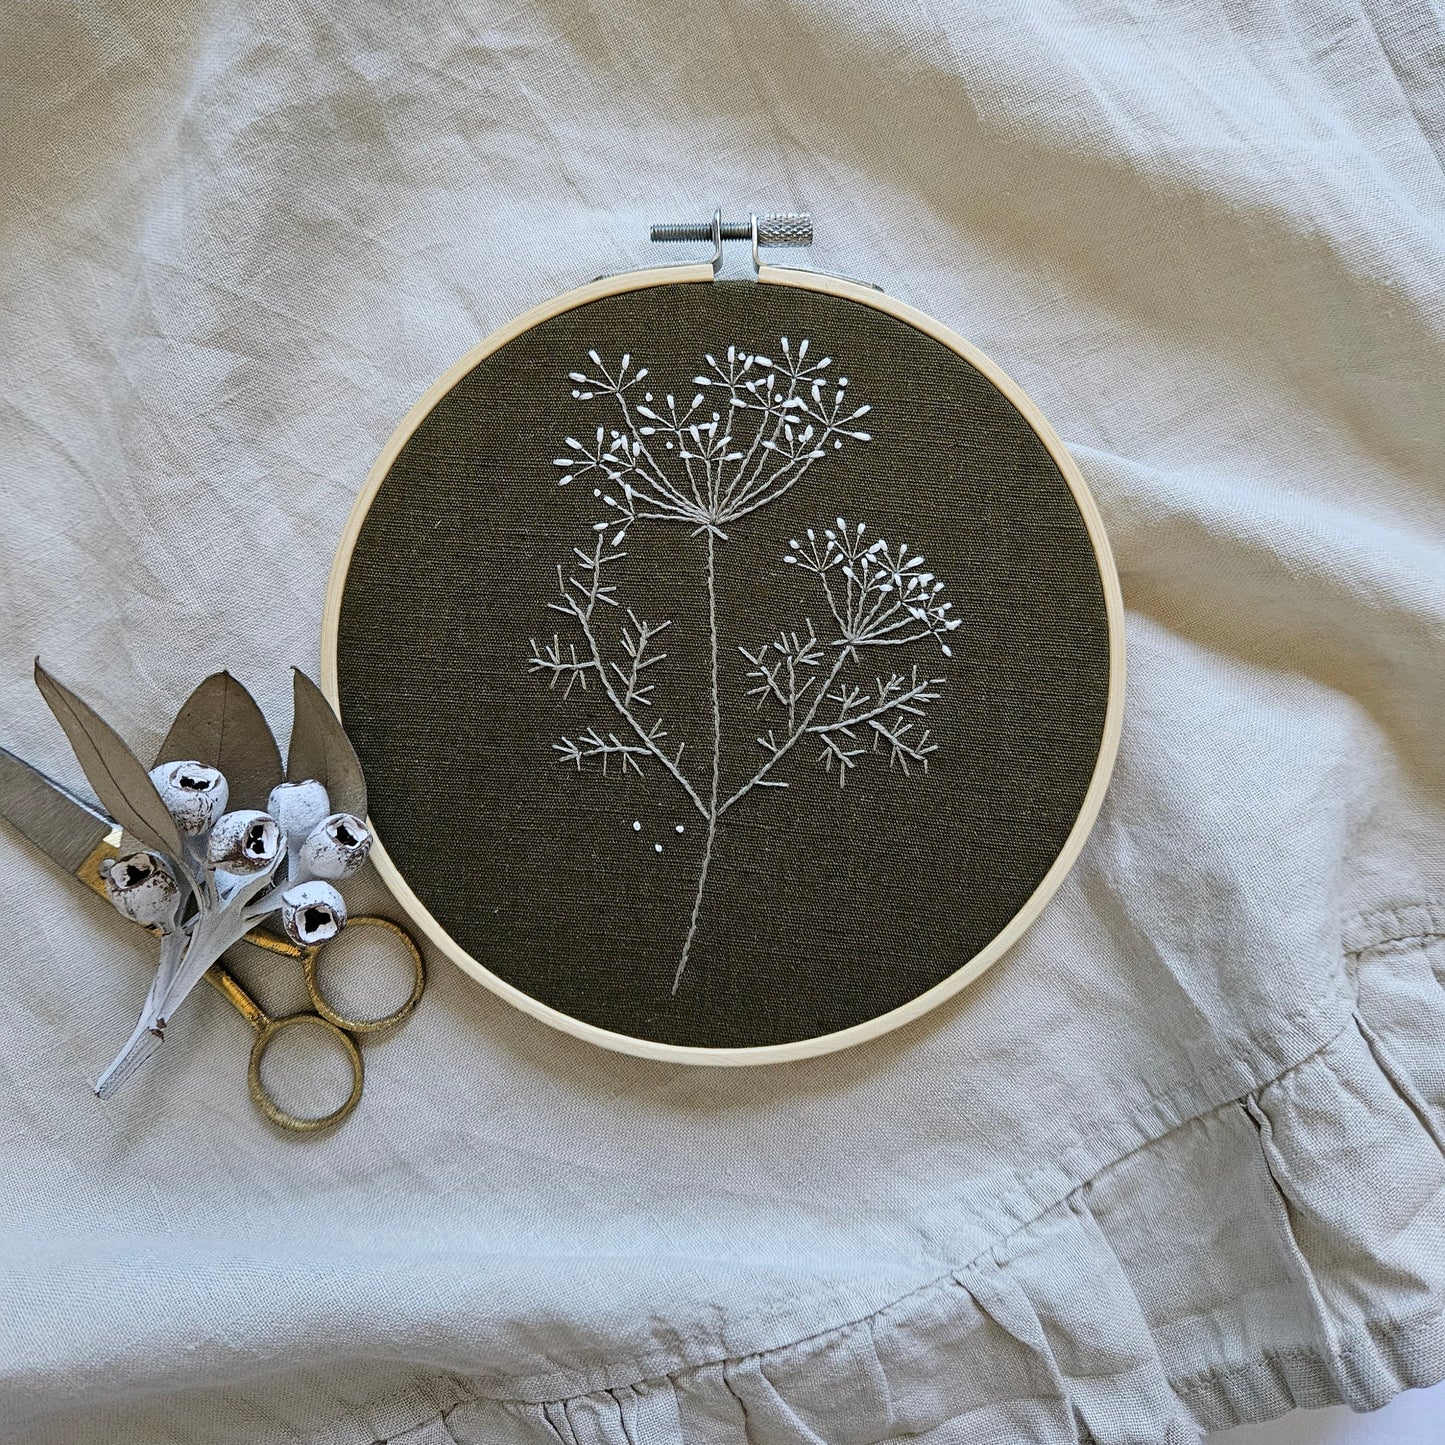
x=336, y=848
x=194, y=794
x=142, y=888
x=312, y=913
x=298, y=807
x=246, y=842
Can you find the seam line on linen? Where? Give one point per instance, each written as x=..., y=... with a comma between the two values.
x=654, y=1367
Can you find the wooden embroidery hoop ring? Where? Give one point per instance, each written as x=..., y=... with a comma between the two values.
x=1113, y=715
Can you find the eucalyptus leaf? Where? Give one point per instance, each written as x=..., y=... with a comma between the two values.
x=320, y=749
x=220, y=725
x=117, y=775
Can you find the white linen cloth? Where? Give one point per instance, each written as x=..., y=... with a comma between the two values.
x=1176, y=1161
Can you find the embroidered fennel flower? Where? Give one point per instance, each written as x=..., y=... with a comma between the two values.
x=755, y=429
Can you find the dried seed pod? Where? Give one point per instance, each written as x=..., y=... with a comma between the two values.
x=143, y=888
x=298, y=808
x=194, y=793
x=245, y=842
x=312, y=913
x=336, y=847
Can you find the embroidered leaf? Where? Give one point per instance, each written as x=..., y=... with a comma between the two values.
x=221, y=726
x=120, y=780
x=320, y=749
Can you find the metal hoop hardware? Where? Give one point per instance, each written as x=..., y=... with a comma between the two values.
x=777, y=228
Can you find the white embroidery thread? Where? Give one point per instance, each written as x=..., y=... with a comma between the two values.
x=706, y=470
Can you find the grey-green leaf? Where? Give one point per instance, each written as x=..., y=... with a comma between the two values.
x=320, y=749
x=119, y=778
x=220, y=725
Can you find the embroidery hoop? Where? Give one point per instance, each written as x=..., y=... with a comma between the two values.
x=766, y=275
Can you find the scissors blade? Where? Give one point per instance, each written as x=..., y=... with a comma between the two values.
x=62, y=825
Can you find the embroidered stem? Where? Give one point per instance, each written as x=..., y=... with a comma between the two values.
x=782, y=751
x=712, y=808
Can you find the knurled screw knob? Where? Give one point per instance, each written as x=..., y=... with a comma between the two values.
x=779, y=228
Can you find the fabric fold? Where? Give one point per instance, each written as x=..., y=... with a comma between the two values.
x=1092, y=1326
x=1136, y=1311
x=1170, y=1165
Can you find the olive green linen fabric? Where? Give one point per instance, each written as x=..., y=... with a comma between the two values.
x=857, y=873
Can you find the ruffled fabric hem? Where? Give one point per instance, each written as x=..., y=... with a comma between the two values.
x=1139, y=1310
x=1408, y=1356
x=1399, y=1357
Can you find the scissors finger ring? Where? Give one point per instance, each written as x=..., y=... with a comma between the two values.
x=271, y=943
x=376, y=1025
x=266, y=1035
x=267, y=1031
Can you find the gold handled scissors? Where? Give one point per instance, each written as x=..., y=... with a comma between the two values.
x=341, y=1027
x=78, y=837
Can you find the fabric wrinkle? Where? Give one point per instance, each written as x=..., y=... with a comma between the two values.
x=1175, y=1162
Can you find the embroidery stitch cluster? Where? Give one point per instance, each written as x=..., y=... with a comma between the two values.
x=706, y=470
